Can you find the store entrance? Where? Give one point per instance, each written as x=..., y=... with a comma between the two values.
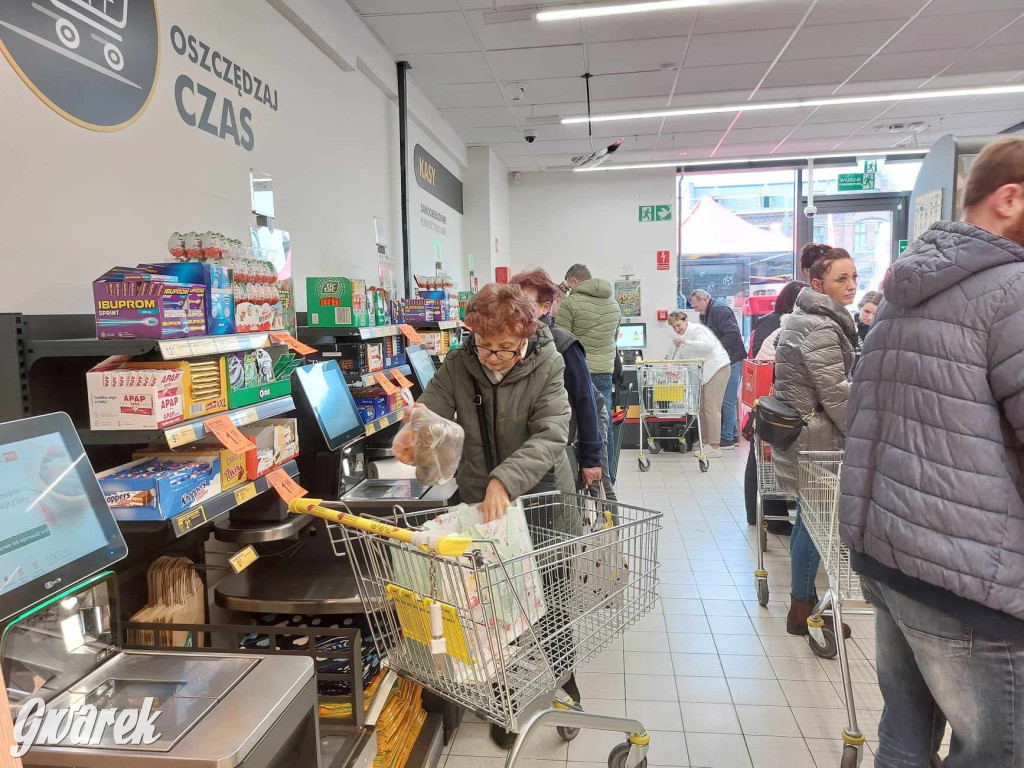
x=870, y=227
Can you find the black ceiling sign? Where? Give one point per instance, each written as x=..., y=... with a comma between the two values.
x=92, y=61
x=436, y=179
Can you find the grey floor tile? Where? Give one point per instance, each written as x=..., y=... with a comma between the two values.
x=717, y=750
x=758, y=720
x=754, y=691
x=638, y=663
x=655, y=715
x=709, y=690
x=709, y=718
x=780, y=752
x=599, y=685
x=651, y=687
x=748, y=666
x=697, y=665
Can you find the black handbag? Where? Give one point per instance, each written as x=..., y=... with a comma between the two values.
x=776, y=423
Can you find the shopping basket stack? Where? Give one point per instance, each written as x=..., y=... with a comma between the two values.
x=820, y=473
x=670, y=392
x=440, y=607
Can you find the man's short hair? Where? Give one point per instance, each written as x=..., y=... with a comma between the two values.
x=1000, y=162
x=578, y=272
x=699, y=293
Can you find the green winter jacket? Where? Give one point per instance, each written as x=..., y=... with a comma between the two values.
x=592, y=314
x=528, y=406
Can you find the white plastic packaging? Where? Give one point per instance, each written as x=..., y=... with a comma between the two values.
x=430, y=443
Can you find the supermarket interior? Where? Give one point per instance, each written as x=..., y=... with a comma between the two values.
x=244, y=237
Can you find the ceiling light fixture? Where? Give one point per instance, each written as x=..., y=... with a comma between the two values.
x=767, y=159
x=760, y=106
x=597, y=11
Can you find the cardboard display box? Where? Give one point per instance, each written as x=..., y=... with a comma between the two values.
x=160, y=495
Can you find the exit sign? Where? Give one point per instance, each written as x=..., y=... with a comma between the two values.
x=902, y=246
x=856, y=182
x=655, y=213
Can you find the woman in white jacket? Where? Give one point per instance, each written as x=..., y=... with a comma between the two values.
x=694, y=341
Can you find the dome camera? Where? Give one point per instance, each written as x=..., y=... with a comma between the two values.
x=810, y=211
x=530, y=136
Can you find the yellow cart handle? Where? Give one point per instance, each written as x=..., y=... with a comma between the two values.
x=441, y=543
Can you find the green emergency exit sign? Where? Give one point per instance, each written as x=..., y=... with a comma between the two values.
x=856, y=182
x=655, y=213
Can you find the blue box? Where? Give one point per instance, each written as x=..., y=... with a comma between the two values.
x=156, y=497
x=220, y=298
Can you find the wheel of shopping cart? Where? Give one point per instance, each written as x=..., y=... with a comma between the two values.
x=851, y=757
x=644, y=463
x=762, y=590
x=568, y=734
x=619, y=754
x=704, y=464
x=826, y=648
x=653, y=446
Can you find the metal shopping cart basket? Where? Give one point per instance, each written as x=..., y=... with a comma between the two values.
x=767, y=490
x=440, y=607
x=670, y=392
x=820, y=472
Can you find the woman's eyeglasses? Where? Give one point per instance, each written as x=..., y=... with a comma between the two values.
x=502, y=355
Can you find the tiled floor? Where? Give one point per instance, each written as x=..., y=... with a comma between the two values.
x=712, y=675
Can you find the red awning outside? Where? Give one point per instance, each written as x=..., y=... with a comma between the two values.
x=713, y=229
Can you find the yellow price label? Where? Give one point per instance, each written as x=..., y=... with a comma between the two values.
x=180, y=436
x=245, y=493
x=186, y=521
x=243, y=559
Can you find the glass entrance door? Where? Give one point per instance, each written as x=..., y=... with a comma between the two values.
x=869, y=227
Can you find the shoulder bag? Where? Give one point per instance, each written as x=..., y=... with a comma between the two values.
x=776, y=423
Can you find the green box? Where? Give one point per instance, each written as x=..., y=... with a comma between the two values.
x=336, y=302
x=257, y=394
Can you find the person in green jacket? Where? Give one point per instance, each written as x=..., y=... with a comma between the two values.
x=591, y=313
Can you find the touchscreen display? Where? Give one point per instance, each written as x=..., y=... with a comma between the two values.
x=331, y=400
x=46, y=519
x=422, y=365
x=632, y=336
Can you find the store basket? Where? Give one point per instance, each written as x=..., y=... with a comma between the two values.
x=670, y=392
x=419, y=587
x=768, y=489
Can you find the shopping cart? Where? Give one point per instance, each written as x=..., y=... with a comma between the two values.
x=670, y=392
x=439, y=605
x=767, y=490
x=820, y=472
x=108, y=21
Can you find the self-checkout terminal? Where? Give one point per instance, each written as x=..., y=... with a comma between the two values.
x=61, y=640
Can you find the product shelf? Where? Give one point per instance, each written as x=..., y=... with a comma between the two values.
x=367, y=379
x=384, y=421
x=187, y=432
x=436, y=325
x=169, y=349
x=370, y=332
x=210, y=510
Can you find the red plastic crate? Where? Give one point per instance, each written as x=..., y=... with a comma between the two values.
x=757, y=380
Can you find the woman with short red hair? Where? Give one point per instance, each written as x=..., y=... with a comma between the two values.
x=505, y=389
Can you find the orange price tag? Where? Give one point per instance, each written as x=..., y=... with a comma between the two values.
x=292, y=343
x=229, y=435
x=411, y=334
x=403, y=382
x=385, y=383
x=285, y=486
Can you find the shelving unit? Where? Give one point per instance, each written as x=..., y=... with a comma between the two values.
x=367, y=379
x=169, y=349
x=186, y=432
x=436, y=325
x=372, y=332
x=384, y=422
x=211, y=510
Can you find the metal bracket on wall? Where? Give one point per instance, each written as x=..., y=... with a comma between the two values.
x=13, y=377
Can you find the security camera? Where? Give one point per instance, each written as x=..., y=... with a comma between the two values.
x=810, y=211
x=530, y=136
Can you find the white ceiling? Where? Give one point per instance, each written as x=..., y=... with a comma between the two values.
x=469, y=54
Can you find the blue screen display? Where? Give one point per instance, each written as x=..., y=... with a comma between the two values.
x=331, y=401
x=422, y=365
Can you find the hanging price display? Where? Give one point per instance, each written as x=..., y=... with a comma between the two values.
x=285, y=486
x=403, y=382
x=411, y=334
x=229, y=435
x=385, y=383
x=292, y=343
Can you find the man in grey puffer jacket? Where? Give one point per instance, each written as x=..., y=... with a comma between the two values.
x=932, y=502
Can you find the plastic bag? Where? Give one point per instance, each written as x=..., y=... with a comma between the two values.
x=430, y=443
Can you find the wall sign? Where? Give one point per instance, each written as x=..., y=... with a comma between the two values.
x=663, y=314
x=663, y=261
x=93, y=63
x=436, y=179
x=201, y=107
x=627, y=294
x=655, y=213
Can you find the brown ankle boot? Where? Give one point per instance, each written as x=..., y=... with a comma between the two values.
x=799, y=610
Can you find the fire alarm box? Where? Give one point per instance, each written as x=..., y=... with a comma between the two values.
x=663, y=314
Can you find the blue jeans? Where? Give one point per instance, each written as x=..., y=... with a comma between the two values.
x=932, y=668
x=603, y=383
x=803, y=561
x=730, y=417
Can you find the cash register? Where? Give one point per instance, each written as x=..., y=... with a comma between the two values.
x=61, y=638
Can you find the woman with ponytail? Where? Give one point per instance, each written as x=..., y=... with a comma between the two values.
x=814, y=357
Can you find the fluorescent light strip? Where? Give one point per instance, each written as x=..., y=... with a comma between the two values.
x=597, y=11
x=767, y=159
x=757, y=106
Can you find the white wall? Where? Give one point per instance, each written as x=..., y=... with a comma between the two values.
x=487, y=223
x=558, y=219
x=500, y=244
x=75, y=202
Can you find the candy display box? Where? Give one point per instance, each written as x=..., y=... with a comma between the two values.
x=259, y=374
x=158, y=489
x=232, y=465
x=128, y=398
x=276, y=440
x=336, y=302
x=218, y=306
x=204, y=383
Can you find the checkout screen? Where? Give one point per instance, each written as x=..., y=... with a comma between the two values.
x=330, y=398
x=422, y=365
x=46, y=519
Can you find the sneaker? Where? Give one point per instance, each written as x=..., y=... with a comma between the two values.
x=728, y=445
x=713, y=453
